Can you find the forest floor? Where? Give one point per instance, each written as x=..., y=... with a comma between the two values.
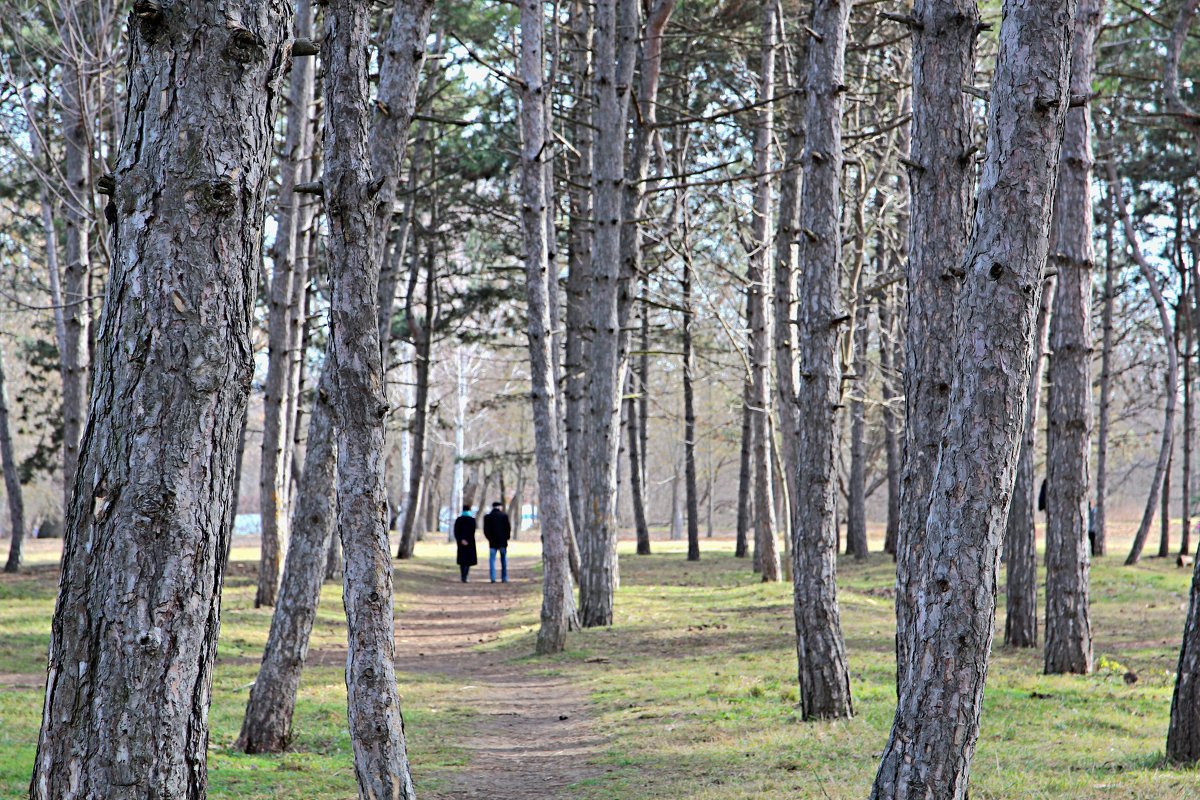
x=691, y=695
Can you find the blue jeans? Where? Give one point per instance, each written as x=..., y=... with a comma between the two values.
x=503, y=551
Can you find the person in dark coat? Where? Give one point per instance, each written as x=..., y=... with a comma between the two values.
x=497, y=529
x=464, y=535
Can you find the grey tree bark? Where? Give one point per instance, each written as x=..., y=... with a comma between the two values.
x=580, y=231
x=1172, y=377
x=821, y=651
x=1100, y=522
x=856, y=514
x=360, y=183
x=77, y=164
x=891, y=422
x=940, y=173
x=744, y=521
x=12, y=482
x=422, y=333
x=650, y=68
x=598, y=531
x=953, y=573
x=267, y=725
x=759, y=303
x=135, y=626
x=689, y=400
x=787, y=226
x=558, y=612
x=275, y=465
x=1068, y=434
x=1020, y=533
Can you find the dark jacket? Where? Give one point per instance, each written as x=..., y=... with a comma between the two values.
x=496, y=528
x=464, y=531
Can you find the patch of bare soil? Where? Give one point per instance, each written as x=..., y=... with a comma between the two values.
x=533, y=739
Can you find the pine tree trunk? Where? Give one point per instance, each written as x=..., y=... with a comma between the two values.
x=821, y=651
x=1189, y=425
x=598, y=531
x=689, y=409
x=275, y=464
x=953, y=572
x=1171, y=378
x=636, y=474
x=745, y=477
x=1100, y=522
x=12, y=482
x=940, y=180
x=360, y=184
x=417, y=479
x=77, y=165
x=856, y=518
x=759, y=303
x=1069, y=429
x=1020, y=532
x=891, y=423
x=1164, y=518
x=267, y=726
x=579, y=255
x=786, y=232
x=557, y=601
x=136, y=622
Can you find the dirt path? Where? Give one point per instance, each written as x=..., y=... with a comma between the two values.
x=533, y=740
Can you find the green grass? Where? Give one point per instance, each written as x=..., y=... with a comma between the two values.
x=694, y=690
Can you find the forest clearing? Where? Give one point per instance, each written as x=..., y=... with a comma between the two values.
x=599, y=399
x=690, y=695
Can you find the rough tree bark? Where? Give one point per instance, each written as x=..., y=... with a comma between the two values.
x=267, y=726
x=1100, y=543
x=77, y=167
x=558, y=613
x=1069, y=413
x=135, y=628
x=12, y=482
x=786, y=231
x=598, y=531
x=953, y=574
x=856, y=514
x=360, y=184
x=579, y=254
x=759, y=304
x=821, y=651
x=940, y=173
x=1020, y=532
x=275, y=465
x=1172, y=377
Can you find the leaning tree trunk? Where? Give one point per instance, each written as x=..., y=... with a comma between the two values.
x=637, y=484
x=1100, y=522
x=12, y=482
x=267, y=726
x=558, y=610
x=759, y=305
x=940, y=171
x=1020, y=532
x=1068, y=434
x=274, y=478
x=360, y=184
x=417, y=479
x=136, y=623
x=821, y=651
x=953, y=574
x=1172, y=377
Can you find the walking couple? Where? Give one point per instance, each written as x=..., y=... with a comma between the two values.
x=496, y=529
